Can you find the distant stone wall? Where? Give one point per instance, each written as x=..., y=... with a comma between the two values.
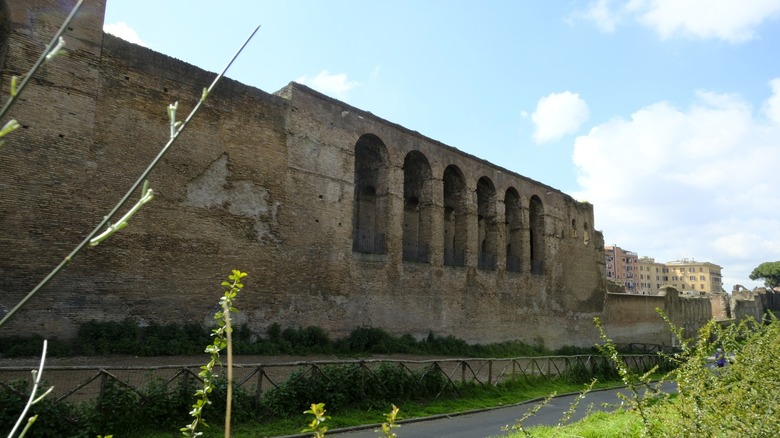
x=721, y=310
x=341, y=218
x=754, y=304
x=635, y=318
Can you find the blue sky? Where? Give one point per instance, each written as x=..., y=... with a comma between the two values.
x=665, y=114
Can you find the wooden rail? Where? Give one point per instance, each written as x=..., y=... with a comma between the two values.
x=83, y=383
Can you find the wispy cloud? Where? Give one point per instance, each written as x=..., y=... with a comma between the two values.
x=726, y=20
x=122, y=30
x=603, y=15
x=557, y=115
x=337, y=85
x=695, y=182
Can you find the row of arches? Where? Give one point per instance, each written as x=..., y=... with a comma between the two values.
x=371, y=206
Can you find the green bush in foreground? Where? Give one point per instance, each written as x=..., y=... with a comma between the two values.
x=739, y=400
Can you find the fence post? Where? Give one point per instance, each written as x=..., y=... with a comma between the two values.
x=103, y=384
x=259, y=389
x=490, y=371
x=463, y=372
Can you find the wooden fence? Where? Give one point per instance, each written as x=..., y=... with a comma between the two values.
x=84, y=383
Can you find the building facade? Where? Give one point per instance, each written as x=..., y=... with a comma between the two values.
x=652, y=276
x=692, y=277
x=622, y=267
x=644, y=276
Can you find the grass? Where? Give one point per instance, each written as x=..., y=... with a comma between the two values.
x=473, y=397
x=618, y=424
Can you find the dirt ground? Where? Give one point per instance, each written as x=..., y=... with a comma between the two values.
x=152, y=361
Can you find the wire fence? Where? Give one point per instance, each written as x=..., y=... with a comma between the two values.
x=88, y=383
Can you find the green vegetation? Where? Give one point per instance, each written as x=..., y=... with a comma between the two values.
x=739, y=400
x=127, y=337
x=769, y=272
x=353, y=395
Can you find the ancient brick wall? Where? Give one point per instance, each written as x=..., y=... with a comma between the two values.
x=634, y=318
x=719, y=304
x=341, y=218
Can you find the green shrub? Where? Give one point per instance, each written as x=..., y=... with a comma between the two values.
x=54, y=419
x=29, y=346
x=738, y=400
x=367, y=340
x=128, y=337
x=578, y=374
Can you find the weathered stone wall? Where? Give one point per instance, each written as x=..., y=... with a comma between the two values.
x=753, y=304
x=719, y=302
x=634, y=318
x=267, y=183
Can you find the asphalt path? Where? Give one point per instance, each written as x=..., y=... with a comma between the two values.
x=488, y=423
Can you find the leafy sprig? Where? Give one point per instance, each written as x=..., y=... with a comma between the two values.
x=222, y=340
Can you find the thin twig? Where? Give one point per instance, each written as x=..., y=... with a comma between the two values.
x=44, y=57
x=33, y=399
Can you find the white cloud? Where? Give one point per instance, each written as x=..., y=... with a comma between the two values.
x=557, y=115
x=337, y=85
x=696, y=182
x=602, y=15
x=772, y=107
x=122, y=30
x=728, y=20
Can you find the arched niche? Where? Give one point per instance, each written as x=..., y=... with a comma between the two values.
x=371, y=195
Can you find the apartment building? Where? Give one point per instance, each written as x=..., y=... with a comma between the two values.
x=651, y=276
x=622, y=267
x=645, y=276
x=690, y=276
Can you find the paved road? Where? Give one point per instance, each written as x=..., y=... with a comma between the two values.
x=489, y=423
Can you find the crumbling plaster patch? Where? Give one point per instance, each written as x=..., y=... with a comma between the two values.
x=213, y=189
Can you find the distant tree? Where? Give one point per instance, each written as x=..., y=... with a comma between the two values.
x=769, y=272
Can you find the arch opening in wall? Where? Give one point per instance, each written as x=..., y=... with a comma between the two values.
x=455, y=227
x=418, y=208
x=536, y=234
x=371, y=196
x=487, y=224
x=585, y=234
x=514, y=231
